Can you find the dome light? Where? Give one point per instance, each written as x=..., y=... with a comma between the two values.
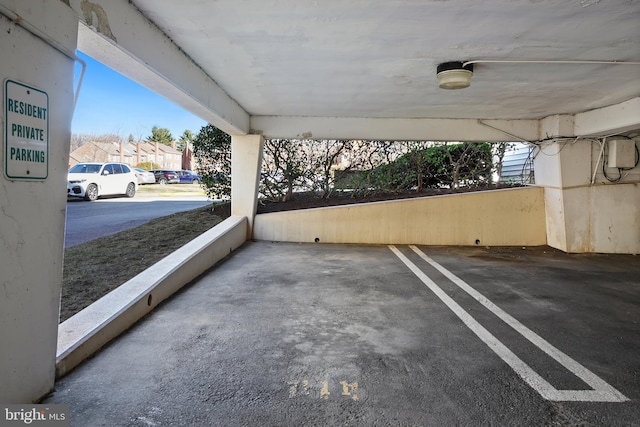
x=454, y=75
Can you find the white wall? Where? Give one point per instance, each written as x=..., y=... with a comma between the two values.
x=513, y=217
x=586, y=212
x=32, y=212
x=614, y=225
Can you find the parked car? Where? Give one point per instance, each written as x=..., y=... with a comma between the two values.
x=188, y=177
x=165, y=176
x=92, y=180
x=144, y=177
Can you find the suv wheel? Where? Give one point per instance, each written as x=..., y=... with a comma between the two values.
x=131, y=190
x=91, y=192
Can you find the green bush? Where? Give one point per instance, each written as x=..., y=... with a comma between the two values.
x=439, y=166
x=148, y=166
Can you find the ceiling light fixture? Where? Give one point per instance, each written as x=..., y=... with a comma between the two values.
x=547, y=61
x=454, y=75
x=457, y=74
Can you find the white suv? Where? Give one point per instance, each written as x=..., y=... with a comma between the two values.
x=91, y=180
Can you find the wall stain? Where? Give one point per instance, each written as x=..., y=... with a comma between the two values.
x=88, y=9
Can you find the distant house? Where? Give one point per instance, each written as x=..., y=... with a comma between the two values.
x=517, y=165
x=130, y=153
x=188, y=159
x=91, y=152
x=164, y=156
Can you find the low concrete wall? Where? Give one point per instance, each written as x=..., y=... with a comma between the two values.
x=512, y=217
x=86, y=332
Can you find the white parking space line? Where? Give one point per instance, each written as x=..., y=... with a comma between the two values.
x=602, y=392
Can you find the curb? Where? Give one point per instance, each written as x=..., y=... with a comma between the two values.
x=172, y=194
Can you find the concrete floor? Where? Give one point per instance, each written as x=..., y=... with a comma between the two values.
x=312, y=334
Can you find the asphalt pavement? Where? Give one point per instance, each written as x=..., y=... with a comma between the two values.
x=283, y=334
x=89, y=220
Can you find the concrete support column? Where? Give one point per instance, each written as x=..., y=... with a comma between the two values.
x=563, y=169
x=246, y=163
x=33, y=189
x=581, y=215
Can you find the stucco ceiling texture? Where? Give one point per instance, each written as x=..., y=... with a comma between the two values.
x=378, y=58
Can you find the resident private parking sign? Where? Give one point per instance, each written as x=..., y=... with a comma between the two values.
x=26, y=134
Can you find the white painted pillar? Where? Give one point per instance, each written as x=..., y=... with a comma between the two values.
x=246, y=163
x=582, y=216
x=562, y=168
x=33, y=204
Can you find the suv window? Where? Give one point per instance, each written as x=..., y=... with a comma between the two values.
x=108, y=168
x=85, y=168
x=125, y=169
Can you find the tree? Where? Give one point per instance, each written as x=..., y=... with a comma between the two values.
x=161, y=135
x=212, y=149
x=323, y=158
x=457, y=163
x=418, y=163
x=471, y=164
x=358, y=164
x=186, y=139
x=284, y=167
x=499, y=150
x=409, y=165
x=433, y=165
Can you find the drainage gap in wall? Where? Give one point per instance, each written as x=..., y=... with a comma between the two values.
x=477, y=241
x=317, y=240
x=149, y=299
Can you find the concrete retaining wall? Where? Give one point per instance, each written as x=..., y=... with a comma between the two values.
x=86, y=332
x=512, y=217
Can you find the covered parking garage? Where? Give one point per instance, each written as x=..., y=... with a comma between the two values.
x=560, y=75
x=313, y=334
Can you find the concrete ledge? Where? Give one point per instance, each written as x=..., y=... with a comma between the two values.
x=86, y=332
x=512, y=217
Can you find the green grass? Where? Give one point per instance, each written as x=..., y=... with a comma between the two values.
x=93, y=269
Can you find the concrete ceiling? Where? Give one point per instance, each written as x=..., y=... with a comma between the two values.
x=290, y=67
x=378, y=58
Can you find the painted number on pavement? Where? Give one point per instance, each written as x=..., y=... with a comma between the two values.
x=322, y=389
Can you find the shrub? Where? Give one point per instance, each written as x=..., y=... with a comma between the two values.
x=148, y=166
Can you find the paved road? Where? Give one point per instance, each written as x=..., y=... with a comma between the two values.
x=90, y=220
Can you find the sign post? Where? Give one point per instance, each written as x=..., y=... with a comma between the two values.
x=26, y=137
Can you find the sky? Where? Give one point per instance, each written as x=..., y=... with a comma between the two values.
x=111, y=103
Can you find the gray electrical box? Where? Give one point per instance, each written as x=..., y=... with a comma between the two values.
x=622, y=153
